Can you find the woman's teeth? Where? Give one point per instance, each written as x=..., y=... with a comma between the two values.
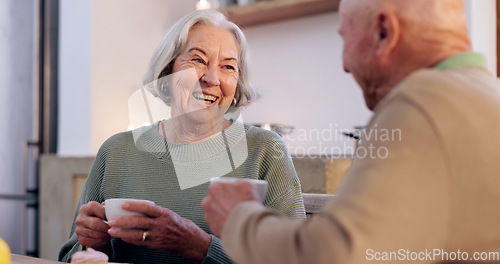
x=205, y=97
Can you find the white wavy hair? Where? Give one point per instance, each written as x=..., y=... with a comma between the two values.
x=173, y=43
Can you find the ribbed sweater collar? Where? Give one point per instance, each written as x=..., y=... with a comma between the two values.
x=150, y=140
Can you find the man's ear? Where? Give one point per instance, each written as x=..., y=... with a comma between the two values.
x=387, y=32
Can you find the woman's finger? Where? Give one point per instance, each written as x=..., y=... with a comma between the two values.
x=87, y=233
x=92, y=209
x=147, y=208
x=97, y=224
x=96, y=209
x=130, y=235
x=142, y=222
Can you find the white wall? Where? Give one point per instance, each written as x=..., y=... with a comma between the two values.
x=482, y=23
x=74, y=78
x=296, y=68
x=124, y=36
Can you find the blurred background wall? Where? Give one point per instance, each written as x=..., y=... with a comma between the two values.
x=296, y=67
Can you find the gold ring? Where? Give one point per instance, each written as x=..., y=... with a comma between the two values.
x=145, y=236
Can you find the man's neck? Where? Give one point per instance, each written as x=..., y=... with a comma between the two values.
x=403, y=68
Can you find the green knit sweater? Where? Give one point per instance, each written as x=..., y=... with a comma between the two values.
x=141, y=164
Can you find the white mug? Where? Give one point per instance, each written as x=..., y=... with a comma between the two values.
x=260, y=185
x=113, y=207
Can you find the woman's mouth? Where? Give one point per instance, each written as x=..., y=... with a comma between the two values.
x=208, y=99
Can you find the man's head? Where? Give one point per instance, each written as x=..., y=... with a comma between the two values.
x=386, y=40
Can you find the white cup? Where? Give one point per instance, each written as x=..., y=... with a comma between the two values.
x=260, y=185
x=113, y=207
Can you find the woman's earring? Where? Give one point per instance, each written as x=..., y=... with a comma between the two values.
x=164, y=94
x=234, y=102
x=164, y=90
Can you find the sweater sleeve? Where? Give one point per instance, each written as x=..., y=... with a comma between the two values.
x=284, y=191
x=215, y=254
x=396, y=200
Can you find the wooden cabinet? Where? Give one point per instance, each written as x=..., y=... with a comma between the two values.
x=61, y=182
x=277, y=10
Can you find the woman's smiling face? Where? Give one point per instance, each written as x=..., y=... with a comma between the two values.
x=205, y=74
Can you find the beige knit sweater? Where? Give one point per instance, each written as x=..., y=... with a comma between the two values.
x=431, y=185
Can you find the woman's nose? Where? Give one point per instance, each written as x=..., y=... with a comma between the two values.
x=211, y=76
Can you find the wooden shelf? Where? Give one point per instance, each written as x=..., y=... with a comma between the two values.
x=277, y=10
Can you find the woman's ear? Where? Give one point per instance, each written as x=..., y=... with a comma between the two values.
x=387, y=32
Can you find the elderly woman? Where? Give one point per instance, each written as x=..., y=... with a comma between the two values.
x=200, y=70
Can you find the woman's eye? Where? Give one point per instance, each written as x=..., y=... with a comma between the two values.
x=229, y=67
x=198, y=60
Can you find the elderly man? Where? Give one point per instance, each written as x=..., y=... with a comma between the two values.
x=434, y=196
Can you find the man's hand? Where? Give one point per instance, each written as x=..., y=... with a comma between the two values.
x=221, y=200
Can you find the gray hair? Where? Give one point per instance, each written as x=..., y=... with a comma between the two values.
x=170, y=47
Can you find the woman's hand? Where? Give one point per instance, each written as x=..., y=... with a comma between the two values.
x=91, y=229
x=166, y=231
